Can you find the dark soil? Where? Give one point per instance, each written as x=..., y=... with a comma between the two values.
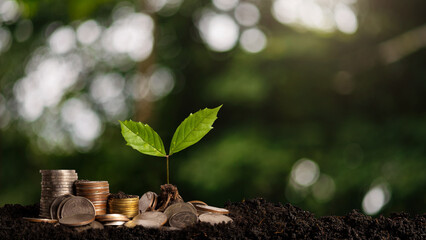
x=121, y=195
x=253, y=219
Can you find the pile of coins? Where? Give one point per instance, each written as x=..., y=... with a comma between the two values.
x=126, y=206
x=96, y=191
x=55, y=183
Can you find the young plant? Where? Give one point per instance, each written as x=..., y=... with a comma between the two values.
x=143, y=138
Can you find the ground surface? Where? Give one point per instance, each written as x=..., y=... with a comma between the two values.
x=253, y=219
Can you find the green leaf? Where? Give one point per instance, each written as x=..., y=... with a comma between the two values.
x=193, y=128
x=142, y=138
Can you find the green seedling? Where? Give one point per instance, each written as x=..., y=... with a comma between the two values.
x=144, y=139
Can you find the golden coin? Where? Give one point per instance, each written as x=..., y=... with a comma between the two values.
x=111, y=218
x=116, y=223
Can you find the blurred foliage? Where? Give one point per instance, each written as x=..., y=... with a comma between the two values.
x=323, y=96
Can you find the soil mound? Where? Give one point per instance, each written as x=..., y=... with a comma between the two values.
x=253, y=219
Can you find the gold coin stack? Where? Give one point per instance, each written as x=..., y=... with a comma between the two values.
x=96, y=191
x=55, y=183
x=126, y=206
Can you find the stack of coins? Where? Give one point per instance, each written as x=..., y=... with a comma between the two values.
x=126, y=206
x=96, y=191
x=55, y=183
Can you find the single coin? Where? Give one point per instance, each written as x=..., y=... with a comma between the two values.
x=77, y=220
x=214, y=218
x=207, y=208
x=146, y=201
x=179, y=207
x=197, y=202
x=183, y=219
x=130, y=224
x=158, y=217
x=146, y=223
x=154, y=203
x=61, y=205
x=39, y=220
x=77, y=205
x=112, y=218
x=55, y=205
x=116, y=223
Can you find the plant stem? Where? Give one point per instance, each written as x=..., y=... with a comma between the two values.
x=167, y=157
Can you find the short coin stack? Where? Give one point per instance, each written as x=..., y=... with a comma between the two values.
x=96, y=191
x=55, y=183
x=126, y=206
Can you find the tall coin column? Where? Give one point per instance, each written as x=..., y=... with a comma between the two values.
x=96, y=191
x=55, y=183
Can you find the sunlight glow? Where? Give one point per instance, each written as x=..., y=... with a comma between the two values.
x=225, y=5
x=219, y=31
x=318, y=15
x=9, y=11
x=247, y=14
x=131, y=35
x=346, y=20
x=62, y=40
x=82, y=122
x=305, y=172
x=45, y=84
x=375, y=199
x=88, y=32
x=253, y=40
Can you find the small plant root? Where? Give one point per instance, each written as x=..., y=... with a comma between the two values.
x=169, y=194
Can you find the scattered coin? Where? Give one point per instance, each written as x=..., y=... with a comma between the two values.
x=147, y=201
x=206, y=208
x=55, y=205
x=112, y=218
x=214, y=218
x=197, y=202
x=77, y=220
x=77, y=206
x=39, y=220
x=146, y=223
x=179, y=207
x=183, y=219
x=116, y=223
x=158, y=217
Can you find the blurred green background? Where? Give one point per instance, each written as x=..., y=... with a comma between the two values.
x=324, y=101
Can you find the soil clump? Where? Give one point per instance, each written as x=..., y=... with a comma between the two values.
x=253, y=219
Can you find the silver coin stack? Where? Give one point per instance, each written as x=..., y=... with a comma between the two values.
x=55, y=183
